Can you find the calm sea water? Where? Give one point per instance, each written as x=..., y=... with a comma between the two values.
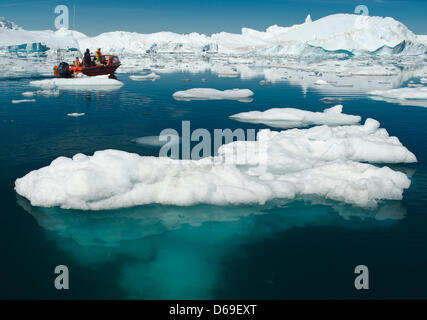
x=307, y=248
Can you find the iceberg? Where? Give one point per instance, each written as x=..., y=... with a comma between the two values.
x=52, y=92
x=337, y=35
x=403, y=48
x=26, y=48
x=114, y=179
x=75, y=114
x=214, y=94
x=291, y=117
x=416, y=93
x=94, y=83
x=151, y=77
x=154, y=141
x=321, y=161
x=320, y=82
x=23, y=101
x=8, y=25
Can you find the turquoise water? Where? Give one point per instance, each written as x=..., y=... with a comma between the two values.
x=307, y=248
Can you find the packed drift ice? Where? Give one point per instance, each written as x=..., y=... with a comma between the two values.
x=291, y=117
x=322, y=161
x=346, y=34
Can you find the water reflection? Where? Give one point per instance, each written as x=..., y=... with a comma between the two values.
x=178, y=252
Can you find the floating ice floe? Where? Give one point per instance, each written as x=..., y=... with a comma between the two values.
x=291, y=117
x=320, y=82
x=320, y=161
x=157, y=141
x=75, y=114
x=151, y=77
x=92, y=83
x=331, y=99
x=297, y=149
x=45, y=93
x=23, y=101
x=417, y=93
x=243, y=95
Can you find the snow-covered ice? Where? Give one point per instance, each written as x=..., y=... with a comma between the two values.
x=28, y=94
x=320, y=82
x=157, y=141
x=297, y=149
x=151, y=76
x=76, y=114
x=214, y=94
x=416, y=93
x=53, y=92
x=291, y=117
x=94, y=83
x=320, y=161
x=23, y=101
x=336, y=35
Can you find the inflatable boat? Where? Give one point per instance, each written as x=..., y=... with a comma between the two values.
x=109, y=64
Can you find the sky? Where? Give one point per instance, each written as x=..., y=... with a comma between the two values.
x=93, y=17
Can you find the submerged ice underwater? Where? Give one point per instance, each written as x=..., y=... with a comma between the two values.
x=335, y=177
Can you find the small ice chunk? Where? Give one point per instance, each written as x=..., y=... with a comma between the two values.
x=144, y=77
x=156, y=141
x=23, y=101
x=213, y=94
x=75, y=114
x=291, y=117
x=320, y=82
x=29, y=93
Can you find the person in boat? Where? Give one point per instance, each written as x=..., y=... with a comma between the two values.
x=86, y=59
x=77, y=63
x=98, y=56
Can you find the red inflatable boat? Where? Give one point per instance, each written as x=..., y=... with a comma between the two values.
x=109, y=64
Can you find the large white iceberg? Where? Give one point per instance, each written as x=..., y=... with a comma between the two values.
x=143, y=77
x=319, y=161
x=346, y=34
x=213, y=94
x=298, y=149
x=113, y=179
x=291, y=117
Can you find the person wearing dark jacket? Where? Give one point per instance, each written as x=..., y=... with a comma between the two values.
x=86, y=60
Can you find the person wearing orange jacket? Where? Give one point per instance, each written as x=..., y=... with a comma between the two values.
x=98, y=56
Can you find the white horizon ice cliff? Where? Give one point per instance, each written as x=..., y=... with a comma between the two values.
x=213, y=94
x=291, y=117
x=336, y=34
x=320, y=161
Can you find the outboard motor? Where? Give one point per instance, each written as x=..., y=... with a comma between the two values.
x=63, y=70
